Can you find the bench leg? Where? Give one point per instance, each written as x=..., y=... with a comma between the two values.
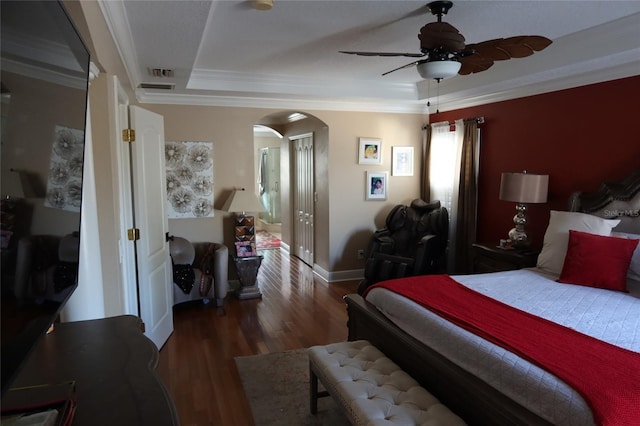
x=313, y=391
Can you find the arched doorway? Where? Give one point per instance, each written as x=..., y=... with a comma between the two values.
x=267, y=144
x=296, y=176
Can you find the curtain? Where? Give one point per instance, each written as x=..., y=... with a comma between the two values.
x=467, y=193
x=451, y=177
x=425, y=192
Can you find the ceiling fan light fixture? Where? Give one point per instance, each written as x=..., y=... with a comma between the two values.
x=438, y=69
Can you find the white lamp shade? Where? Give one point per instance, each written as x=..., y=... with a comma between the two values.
x=438, y=69
x=524, y=187
x=242, y=201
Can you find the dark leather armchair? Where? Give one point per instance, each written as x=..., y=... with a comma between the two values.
x=413, y=242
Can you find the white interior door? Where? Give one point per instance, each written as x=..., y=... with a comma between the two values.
x=152, y=250
x=303, y=199
x=122, y=170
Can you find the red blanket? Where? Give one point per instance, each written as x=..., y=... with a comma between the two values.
x=607, y=376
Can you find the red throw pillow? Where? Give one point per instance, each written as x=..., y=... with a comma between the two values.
x=597, y=261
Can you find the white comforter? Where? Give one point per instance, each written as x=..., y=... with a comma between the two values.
x=607, y=315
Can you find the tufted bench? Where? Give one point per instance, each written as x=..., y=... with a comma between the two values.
x=371, y=388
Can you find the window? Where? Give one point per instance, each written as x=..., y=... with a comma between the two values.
x=442, y=164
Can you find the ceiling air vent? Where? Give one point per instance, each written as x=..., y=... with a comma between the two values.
x=161, y=86
x=161, y=72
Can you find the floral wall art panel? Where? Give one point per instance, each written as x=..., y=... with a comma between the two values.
x=189, y=168
x=64, y=183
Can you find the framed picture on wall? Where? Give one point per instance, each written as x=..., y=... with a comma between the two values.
x=370, y=151
x=402, y=163
x=189, y=174
x=376, y=187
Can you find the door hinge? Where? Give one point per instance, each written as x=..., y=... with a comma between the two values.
x=133, y=234
x=128, y=135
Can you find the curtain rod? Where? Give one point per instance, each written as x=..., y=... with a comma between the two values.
x=479, y=120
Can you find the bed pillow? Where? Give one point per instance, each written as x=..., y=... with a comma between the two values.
x=556, y=238
x=597, y=261
x=634, y=267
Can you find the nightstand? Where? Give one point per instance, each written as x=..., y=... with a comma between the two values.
x=490, y=258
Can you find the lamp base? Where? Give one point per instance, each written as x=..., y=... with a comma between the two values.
x=519, y=239
x=517, y=235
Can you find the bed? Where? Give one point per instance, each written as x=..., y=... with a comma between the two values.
x=484, y=383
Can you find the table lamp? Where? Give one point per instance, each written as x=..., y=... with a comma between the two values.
x=522, y=188
x=242, y=202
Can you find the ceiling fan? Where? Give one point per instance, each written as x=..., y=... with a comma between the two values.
x=445, y=53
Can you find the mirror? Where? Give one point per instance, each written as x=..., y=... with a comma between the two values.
x=44, y=81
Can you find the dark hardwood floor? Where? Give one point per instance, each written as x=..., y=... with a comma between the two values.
x=197, y=363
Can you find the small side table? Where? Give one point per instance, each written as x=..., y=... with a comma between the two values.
x=247, y=269
x=488, y=258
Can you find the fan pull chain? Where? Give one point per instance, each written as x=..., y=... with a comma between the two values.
x=438, y=96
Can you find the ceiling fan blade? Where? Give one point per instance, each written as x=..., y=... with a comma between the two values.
x=408, y=55
x=402, y=67
x=473, y=64
x=500, y=49
x=441, y=35
x=489, y=50
x=536, y=43
x=420, y=11
x=525, y=45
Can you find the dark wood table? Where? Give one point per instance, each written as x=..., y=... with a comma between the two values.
x=113, y=365
x=489, y=258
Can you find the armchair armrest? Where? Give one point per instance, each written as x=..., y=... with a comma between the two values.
x=430, y=255
x=219, y=274
x=382, y=266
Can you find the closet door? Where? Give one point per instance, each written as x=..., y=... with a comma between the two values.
x=303, y=200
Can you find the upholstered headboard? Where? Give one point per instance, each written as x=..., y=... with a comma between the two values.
x=613, y=200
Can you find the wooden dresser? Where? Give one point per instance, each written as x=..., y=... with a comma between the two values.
x=113, y=365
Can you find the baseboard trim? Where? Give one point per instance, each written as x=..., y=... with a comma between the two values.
x=329, y=277
x=337, y=276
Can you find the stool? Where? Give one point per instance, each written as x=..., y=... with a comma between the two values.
x=372, y=389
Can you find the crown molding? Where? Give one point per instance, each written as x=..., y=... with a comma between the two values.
x=244, y=101
x=72, y=80
x=544, y=82
x=299, y=86
x=116, y=19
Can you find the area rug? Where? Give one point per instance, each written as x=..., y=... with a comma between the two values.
x=266, y=241
x=277, y=388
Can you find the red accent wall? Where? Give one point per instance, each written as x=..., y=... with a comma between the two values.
x=579, y=137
